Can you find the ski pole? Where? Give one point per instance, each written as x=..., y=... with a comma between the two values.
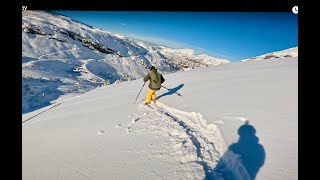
x=139, y=92
x=174, y=92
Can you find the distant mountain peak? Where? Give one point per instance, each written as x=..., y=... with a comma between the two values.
x=291, y=52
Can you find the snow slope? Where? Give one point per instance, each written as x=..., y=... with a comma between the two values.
x=202, y=134
x=291, y=52
x=56, y=48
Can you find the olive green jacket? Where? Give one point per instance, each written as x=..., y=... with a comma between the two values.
x=156, y=79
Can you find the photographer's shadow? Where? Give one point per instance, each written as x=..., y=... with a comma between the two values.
x=243, y=159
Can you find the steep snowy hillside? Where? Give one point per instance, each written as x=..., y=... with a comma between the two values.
x=291, y=52
x=237, y=121
x=61, y=56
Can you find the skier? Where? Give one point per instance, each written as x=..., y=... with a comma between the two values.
x=156, y=79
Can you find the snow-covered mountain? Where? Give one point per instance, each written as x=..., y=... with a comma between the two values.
x=61, y=56
x=188, y=60
x=291, y=52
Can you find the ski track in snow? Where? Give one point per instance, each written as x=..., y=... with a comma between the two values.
x=47, y=108
x=25, y=122
x=40, y=57
x=62, y=163
x=196, y=144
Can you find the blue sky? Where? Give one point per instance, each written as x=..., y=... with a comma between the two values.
x=231, y=35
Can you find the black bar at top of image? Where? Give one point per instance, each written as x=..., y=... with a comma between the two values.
x=163, y=5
